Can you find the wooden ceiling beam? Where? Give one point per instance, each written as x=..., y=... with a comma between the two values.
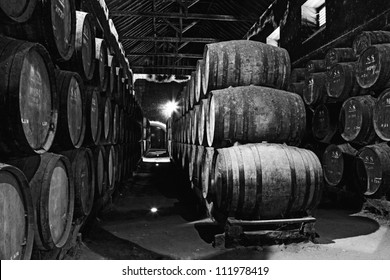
x=170, y=39
x=173, y=67
x=179, y=55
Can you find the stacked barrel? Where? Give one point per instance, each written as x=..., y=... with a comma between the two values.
x=67, y=138
x=235, y=101
x=347, y=94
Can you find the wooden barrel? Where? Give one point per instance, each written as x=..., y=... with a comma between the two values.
x=373, y=68
x=381, y=118
x=373, y=170
x=315, y=92
x=297, y=75
x=341, y=81
x=29, y=107
x=119, y=87
x=191, y=91
x=337, y=55
x=98, y=153
x=106, y=117
x=110, y=166
x=356, y=120
x=265, y=181
x=17, y=11
x=51, y=182
x=185, y=157
x=203, y=112
x=102, y=70
x=83, y=169
x=53, y=24
x=93, y=116
x=194, y=124
x=242, y=63
x=368, y=38
x=208, y=163
x=17, y=215
x=337, y=163
x=253, y=114
x=113, y=64
x=192, y=161
x=115, y=125
x=119, y=155
x=71, y=114
x=199, y=94
x=325, y=122
x=122, y=126
x=315, y=66
x=197, y=167
x=190, y=121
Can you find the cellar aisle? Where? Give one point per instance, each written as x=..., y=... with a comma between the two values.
x=129, y=230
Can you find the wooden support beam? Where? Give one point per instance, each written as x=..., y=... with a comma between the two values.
x=171, y=25
x=211, y=17
x=188, y=27
x=170, y=39
x=179, y=55
x=176, y=67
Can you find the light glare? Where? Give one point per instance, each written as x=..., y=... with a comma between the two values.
x=169, y=108
x=153, y=210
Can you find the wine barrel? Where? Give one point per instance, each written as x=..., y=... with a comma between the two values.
x=102, y=70
x=381, y=117
x=29, y=107
x=325, y=123
x=315, y=92
x=192, y=161
x=93, y=116
x=98, y=153
x=190, y=121
x=119, y=86
x=203, y=112
x=185, y=157
x=17, y=215
x=199, y=94
x=337, y=55
x=51, y=182
x=373, y=68
x=110, y=159
x=368, y=38
x=106, y=117
x=297, y=75
x=341, y=81
x=208, y=163
x=113, y=64
x=53, y=24
x=191, y=91
x=194, y=124
x=17, y=11
x=265, y=181
x=197, y=167
x=337, y=163
x=356, y=120
x=83, y=169
x=315, y=66
x=254, y=114
x=373, y=170
x=119, y=161
x=115, y=125
x=242, y=63
x=71, y=114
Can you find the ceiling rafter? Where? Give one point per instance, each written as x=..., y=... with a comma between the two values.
x=171, y=39
x=168, y=54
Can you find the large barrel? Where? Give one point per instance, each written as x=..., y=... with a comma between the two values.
x=373, y=170
x=191, y=91
x=381, y=118
x=265, y=181
x=51, y=183
x=71, y=114
x=119, y=87
x=115, y=124
x=253, y=114
x=16, y=216
x=325, y=122
x=113, y=63
x=83, y=169
x=242, y=63
x=208, y=164
x=101, y=175
x=199, y=94
x=106, y=117
x=356, y=120
x=203, y=112
x=18, y=10
x=197, y=167
x=373, y=68
x=367, y=38
x=102, y=70
x=83, y=59
x=53, y=24
x=93, y=116
x=29, y=98
x=194, y=124
x=109, y=158
x=337, y=163
x=190, y=121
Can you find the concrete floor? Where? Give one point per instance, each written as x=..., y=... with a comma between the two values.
x=128, y=230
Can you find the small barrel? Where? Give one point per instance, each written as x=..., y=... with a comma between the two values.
x=253, y=114
x=381, y=118
x=315, y=92
x=110, y=159
x=368, y=38
x=71, y=114
x=315, y=66
x=98, y=154
x=51, y=182
x=243, y=63
x=16, y=216
x=337, y=55
x=93, y=127
x=203, y=112
x=29, y=107
x=52, y=24
x=373, y=170
x=325, y=122
x=83, y=168
x=17, y=11
x=356, y=120
x=106, y=117
x=102, y=70
x=337, y=163
x=266, y=181
x=373, y=68
x=199, y=94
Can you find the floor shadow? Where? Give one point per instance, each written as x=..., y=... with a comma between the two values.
x=247, y=253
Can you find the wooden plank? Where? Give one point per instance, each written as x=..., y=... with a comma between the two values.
x=233, y=221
